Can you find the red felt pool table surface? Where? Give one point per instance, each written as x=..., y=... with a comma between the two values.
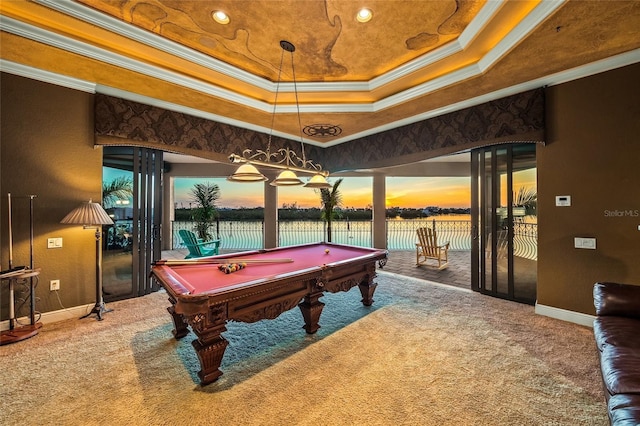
x=207, y=278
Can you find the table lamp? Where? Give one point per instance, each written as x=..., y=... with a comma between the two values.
x=92, y=215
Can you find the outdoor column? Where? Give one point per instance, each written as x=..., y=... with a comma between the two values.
x=270, y=214
x=379, y=212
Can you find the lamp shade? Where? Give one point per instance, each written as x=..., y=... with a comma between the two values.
x=286, y=178
x=247, y=173
x=317, y=181
x=88, y=214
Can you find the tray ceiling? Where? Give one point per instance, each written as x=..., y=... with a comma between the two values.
x=411, y=61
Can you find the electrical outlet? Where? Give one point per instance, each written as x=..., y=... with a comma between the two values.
x=54, y=285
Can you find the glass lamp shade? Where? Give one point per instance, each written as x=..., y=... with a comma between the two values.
x=286, y=178
x=247, y=173
x=317, y=181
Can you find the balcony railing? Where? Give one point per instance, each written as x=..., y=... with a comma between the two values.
x=401, y=234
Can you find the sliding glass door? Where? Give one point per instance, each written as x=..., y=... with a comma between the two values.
x=132, y=188
x=504, y=217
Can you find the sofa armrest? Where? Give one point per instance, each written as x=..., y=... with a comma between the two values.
x=617, y=299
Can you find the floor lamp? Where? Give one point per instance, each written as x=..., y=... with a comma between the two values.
x=92, y=215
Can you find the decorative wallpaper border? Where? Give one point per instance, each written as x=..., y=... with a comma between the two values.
x=516, y=118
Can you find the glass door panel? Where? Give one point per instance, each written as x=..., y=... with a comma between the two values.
x=117, y=248
x=132, y=182
x=500, y=230
x=504, y=209
x=525, y=223
x=487, y=233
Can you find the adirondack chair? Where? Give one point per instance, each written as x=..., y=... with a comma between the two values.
x=197, y=247
x=428, y=248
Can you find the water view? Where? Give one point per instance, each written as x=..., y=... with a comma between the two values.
x=401, y=234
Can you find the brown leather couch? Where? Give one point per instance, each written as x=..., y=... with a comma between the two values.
x=617, y=333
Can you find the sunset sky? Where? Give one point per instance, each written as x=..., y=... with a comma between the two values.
x=415, y=192
x=356, y=192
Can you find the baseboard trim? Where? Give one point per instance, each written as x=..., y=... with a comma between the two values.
x=565, y=315
x=78, y=311
x=54, y=316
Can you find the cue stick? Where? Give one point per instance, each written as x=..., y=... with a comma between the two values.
x=204, y=261
x=10, y=233
x=12, y=307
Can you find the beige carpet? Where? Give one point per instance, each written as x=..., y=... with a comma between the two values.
x=424, y=354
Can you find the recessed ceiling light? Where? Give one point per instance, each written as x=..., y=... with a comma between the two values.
x=364, y=15
x=220, y=17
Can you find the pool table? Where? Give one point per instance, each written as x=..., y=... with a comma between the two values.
x=273, y=281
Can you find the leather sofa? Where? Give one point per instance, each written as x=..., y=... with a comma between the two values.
x=617, y=334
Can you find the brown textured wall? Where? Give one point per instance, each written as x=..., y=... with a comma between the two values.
x=593, y=154
x=47, y=150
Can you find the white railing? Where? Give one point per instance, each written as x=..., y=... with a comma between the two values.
x=401, y=234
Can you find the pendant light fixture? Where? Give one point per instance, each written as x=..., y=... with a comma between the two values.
x=284, y=159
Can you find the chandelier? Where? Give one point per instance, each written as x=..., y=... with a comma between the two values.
x=284, y=159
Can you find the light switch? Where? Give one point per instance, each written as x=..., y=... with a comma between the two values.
x=54, y=242
x=563, y=200
x=584, y=243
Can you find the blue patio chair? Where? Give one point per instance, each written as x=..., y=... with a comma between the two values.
x=197, y=247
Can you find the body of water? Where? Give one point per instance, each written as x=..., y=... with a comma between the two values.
x=401, y=233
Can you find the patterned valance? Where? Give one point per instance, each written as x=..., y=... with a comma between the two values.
x=516, y=118
x=123, y=122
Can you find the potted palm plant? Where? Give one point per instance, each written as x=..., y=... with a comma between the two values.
x=205, y=196
x=330, y=199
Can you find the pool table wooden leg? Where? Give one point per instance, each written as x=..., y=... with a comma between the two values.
x=179, y=323
x=210, y=348
x=311, y=309
x=367, y=288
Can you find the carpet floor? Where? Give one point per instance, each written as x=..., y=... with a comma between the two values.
x=423, y=354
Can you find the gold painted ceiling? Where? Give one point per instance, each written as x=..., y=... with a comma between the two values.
x=411, y=61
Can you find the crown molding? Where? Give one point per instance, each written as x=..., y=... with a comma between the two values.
x=132, y=32
x=597, y=67
x=116, y=26
x=479, y=21
x=458, y=45
x=82, y=12
x=46, y=76
x=538, y=15
x=427, y=87
x=528, y=24
x=80, y=48
x=593, y=68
